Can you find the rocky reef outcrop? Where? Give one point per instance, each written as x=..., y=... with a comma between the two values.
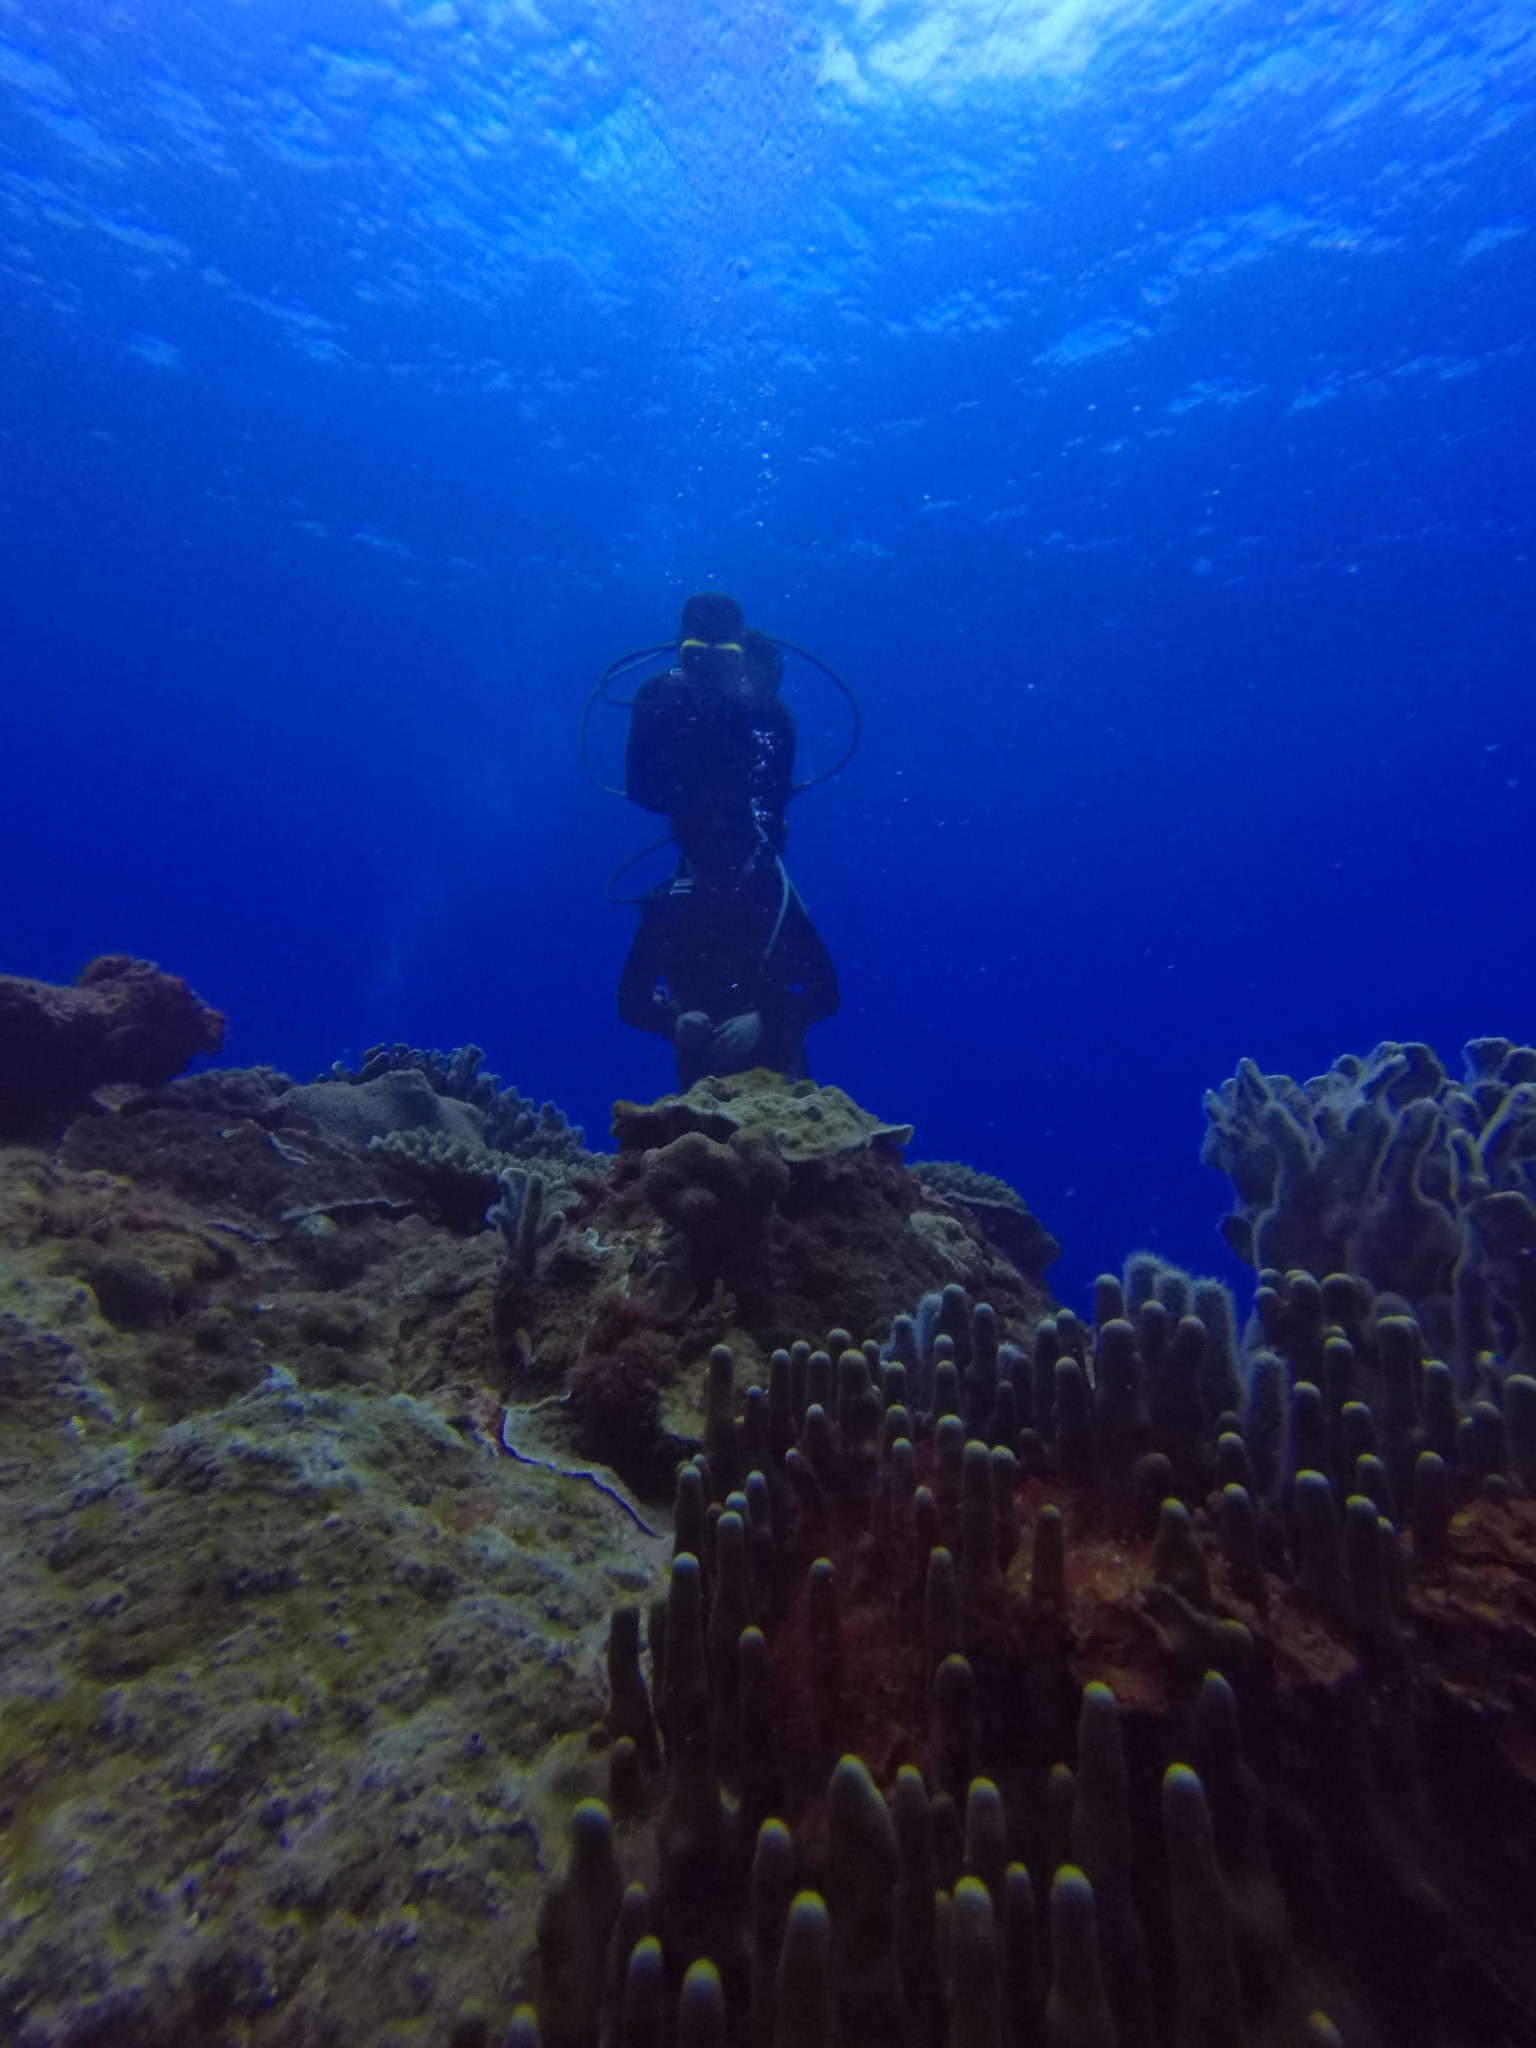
x=123, y=1021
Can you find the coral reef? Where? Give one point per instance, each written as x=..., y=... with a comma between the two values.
x=393, y=1102
x=509, y=1122
x=1074, y=1729
x=307, y=1562
x=776, y=1206
x=446, y=1133
x=999, y=1211
x=800, y=1121
x=454, y=1182
x=1386, y=1168
x=306, y=1582
x=1019, y=1677
x=741, y=1230
x=123, y=1021
x=530, y=1217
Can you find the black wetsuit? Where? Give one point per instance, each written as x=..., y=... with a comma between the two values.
x=727, y=949
x=718, y=765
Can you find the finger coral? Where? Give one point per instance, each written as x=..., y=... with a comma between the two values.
x=1093, y=1734
x=1386, y=1168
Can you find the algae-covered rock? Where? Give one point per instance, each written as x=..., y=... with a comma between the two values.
x=290, y=1651
x=123, y=1021
x=285, y=1685
x=307, y=1558
x=798, y=1119
x=719, y=1197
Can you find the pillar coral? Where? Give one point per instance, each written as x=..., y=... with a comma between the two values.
x=1068, y=1727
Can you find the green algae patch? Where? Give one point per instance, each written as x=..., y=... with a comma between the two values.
x=57, y=1728
x=49, y=1754
x=281, y=1671
x=286, y=1651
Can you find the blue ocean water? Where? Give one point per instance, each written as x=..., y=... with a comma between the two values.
x=1133, y=401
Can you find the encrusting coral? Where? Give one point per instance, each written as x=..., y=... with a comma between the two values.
x=718, y=1198
x=800, y=1121
x=453, y=1179
x=446, y=1131
x=997, y=1209
x=459, y=1183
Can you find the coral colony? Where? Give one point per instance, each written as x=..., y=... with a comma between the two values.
x=1004, y=1678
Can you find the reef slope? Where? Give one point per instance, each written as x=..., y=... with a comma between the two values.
x=308, y=1568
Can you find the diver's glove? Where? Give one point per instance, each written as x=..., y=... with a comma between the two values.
x=736, y=1040
x=692, y=1030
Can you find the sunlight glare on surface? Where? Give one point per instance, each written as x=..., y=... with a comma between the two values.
x=956, y=45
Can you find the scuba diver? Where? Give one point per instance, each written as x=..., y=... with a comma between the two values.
x=730, y=968
x=726, y=962
x=712, y=743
